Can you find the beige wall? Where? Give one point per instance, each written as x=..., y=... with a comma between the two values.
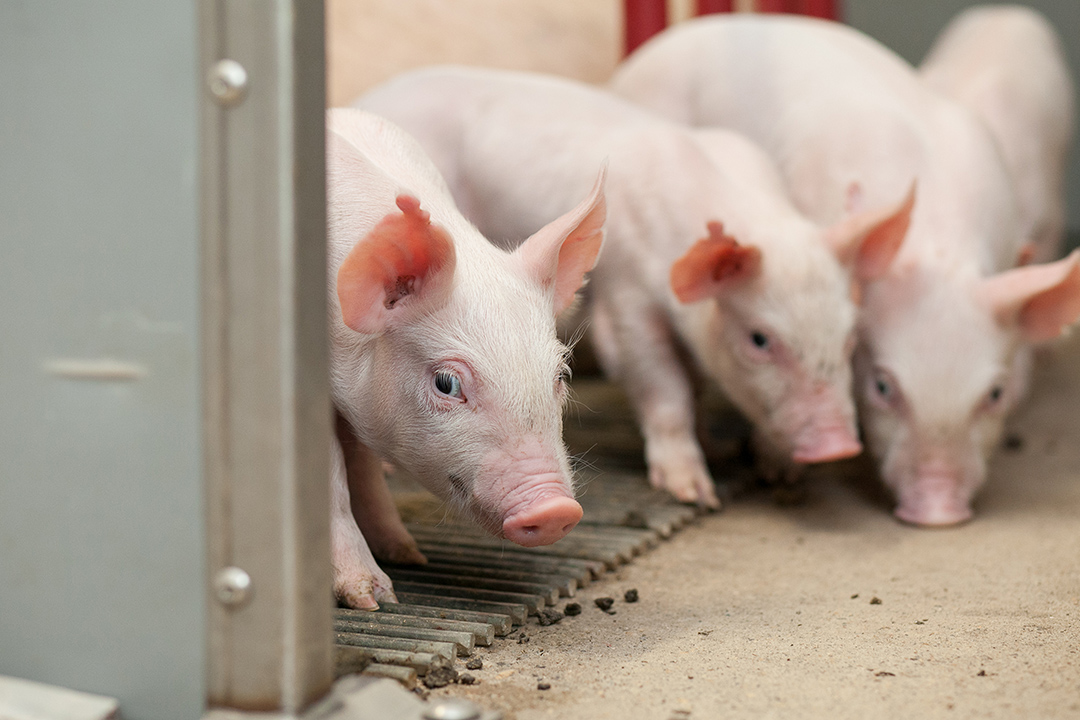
x=368, y=41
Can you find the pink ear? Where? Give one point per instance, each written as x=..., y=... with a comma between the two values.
x=403, y=259
x=868, y=241
x=712, y=265
x=561, y=252
x=1042, y=300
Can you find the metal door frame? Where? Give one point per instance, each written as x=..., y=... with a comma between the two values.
x=266, y=415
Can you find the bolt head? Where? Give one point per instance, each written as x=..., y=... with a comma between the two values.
x=232, y=586
x=452, y=709
x=228, y=82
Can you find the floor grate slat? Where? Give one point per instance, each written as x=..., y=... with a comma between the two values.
x=479, y=588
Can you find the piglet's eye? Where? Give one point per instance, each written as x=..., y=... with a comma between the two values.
x=448, y=384
x=885, y=390
x=760, y=340
x=995, y=394
x=883, y=386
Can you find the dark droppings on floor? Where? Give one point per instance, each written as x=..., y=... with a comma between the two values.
x=572, y=609
x=875, y=600
x=440, y=676
x=605, y=604
x=631, y=595
x=543, y=685
x=523, y=638
x=466, y=679
x=474, y=664
x=549, y=617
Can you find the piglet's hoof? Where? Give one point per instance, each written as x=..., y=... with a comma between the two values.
x=358, y=601
x=363, y=593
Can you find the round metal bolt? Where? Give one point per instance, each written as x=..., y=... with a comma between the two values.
x=452, y=709
x=232, y=586
x=228, y=82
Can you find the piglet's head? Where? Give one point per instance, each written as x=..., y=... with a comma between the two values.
x=942, y=372
x=778, y=340
x=463, y=379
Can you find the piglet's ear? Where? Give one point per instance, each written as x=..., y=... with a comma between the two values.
x=561, y=252
x=1041, y=300
x=712, y=265
x=868, y=241
x=403, y=264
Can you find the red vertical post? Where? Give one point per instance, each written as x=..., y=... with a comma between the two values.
x=828, y=9
x=707, y=7
x=772, y=6
x=643, y=18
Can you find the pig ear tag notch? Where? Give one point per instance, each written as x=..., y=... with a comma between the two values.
x=402, y=264
x=712, y=265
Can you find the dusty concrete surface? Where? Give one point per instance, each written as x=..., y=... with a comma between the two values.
x=764, y=611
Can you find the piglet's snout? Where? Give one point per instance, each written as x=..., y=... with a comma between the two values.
x=527, y=486
x=543, y=522
x=823, y=428
x=823, y=444
x=934, y=499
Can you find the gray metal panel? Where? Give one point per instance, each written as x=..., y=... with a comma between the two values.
x=267, y=405
x=910, y=26
x=101, y=508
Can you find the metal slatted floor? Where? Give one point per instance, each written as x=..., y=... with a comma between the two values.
x=476, y=588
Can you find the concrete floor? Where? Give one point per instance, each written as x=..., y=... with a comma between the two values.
x=765, y=611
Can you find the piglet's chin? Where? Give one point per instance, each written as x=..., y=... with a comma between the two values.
x=934, y=506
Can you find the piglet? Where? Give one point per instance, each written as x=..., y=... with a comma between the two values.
x=946, y=333
x=1006, y=63
x=444, y=355
x=708, y=269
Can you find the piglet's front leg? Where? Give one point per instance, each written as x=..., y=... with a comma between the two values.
x=660, y=390
x=372, y=503
x=358, y=581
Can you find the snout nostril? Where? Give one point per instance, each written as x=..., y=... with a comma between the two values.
x=545, y=522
